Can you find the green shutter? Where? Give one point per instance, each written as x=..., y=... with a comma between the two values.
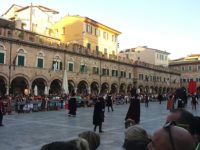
x=40, y=63
x=20, y=60
x=53, y=64
x=1, y=58
x=70, y=67
x=60, y=65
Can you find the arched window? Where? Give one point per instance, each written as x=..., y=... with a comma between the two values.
x=2, y=54
x=57, y=63
x=21, y=57
x=40, y=60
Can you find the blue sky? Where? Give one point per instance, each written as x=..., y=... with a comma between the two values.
x=171, y=25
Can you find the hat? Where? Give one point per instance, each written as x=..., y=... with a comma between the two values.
x=136, y=133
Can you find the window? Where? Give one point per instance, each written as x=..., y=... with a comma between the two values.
x=114, y=73
x=97, y=32
x=88, y=28
x=129, y=75
x=70, y=66
x=83, y=68
x=40, y=63
x=95, y=70
x=105, y=50
x=183, y=68
x=114, y=38
x=1, y=58
x=105, y=72
x=57, y=65
x=141, y=77
x=104, y=35
x=63, y=30
x=40, y=60
x=88, y=45
x=190, y=68
x=198, y=67
x=97, y=50
x=20, y=61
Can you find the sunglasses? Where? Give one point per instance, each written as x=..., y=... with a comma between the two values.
x=167, y=128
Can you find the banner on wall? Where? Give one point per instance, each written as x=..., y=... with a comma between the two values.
x=192, y=87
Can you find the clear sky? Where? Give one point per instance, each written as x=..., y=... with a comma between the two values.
x=171, y=25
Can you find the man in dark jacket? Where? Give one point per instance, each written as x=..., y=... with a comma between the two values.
x=98, y=115
x=1, y=111
x=109, y=102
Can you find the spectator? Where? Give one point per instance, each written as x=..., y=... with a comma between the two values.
x=76, y=144
x=195, y=131
x=182, y=118
x=171, y=137
x=92, y=138
x=136, y=138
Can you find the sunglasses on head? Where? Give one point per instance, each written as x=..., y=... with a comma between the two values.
x=167, y=128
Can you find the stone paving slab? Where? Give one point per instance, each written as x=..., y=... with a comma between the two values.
x=30, y=131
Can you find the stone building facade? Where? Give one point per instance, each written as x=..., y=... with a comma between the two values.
x=28, y=60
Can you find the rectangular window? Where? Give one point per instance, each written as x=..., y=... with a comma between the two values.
x=183, y=68
x=88, y=45
x=129, y=75
x=122, y=74
x=104, y=35
x=97, y=50
x=89, y=28
x=95, y=70
x=20, y=60
x=141, y=77
x=40, y=63
x=70, y=67
x=105, y=50
x=108, y=72
x=1, y=58
x=190, y=68
x=83, y=68
x=198, y=67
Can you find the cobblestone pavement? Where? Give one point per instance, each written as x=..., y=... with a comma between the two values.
x=30, y=131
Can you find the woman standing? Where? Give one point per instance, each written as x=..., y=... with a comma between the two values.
x=98, y=115
x=72, y=105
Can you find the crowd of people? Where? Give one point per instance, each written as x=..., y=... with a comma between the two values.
x=181, y=129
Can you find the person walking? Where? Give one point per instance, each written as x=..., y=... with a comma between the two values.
x=160, y=98
x=194, y=102
x=134, y=108
x=72, y=105
x=1, y=111
x=109, y=102
x=98, y=115
x=146, y=100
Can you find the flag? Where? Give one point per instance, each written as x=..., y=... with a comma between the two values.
x=14, y=62
x=192, y=87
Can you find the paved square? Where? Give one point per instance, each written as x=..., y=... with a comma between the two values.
x=30, y=131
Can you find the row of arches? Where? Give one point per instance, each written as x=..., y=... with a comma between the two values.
x=39, y=86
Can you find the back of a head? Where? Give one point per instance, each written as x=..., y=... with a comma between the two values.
x=80, y=144
x=182, y=138
x=92, y=138
x=136, y=138
x=59, y=146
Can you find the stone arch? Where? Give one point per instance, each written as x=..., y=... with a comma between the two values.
x=2, y=46
x=122, y=88
x=114, y=88
x=94, y=87
x=71, y=86
x=141, y=89
x=129, y=87
x=41, y=84
x=18, y=85
x=82, y=88
x=146, y=89
x=21, y=75
x=3, y=84
x=55, y=87
x=151, y=89
x=104, y=88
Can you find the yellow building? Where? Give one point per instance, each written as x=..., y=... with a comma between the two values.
x=87, y=32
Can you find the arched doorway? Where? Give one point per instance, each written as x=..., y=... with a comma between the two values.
x=94, y=88
x=122, y=88
x=40, y=83
x=18, y=85
x=146, y=89
x=140, y=89
x=2, y=86
x=114, y=88
x=71, y=86
x=104, y=88
x=129, y=87
x=55, y=87
x=82, y=88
